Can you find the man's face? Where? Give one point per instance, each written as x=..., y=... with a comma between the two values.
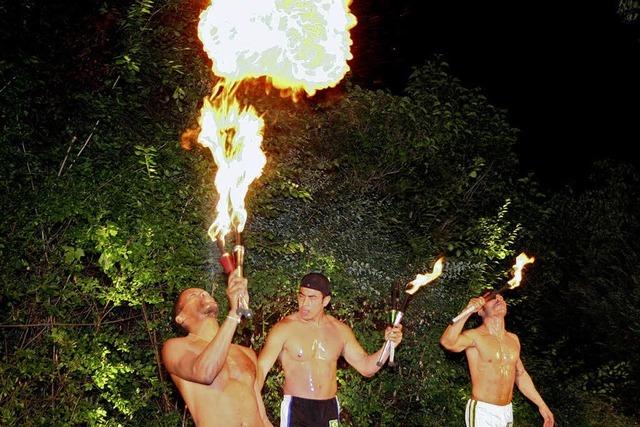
x=497, y=307
x=197, y=303
x=311, y=303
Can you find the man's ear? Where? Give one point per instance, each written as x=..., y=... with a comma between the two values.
x=326, y=300
x=180, y=319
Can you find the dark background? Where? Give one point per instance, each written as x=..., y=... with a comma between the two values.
x=566, y=72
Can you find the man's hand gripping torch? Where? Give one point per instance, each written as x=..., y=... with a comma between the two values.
x=486, y=297
x=397, y=314
x=233, y=262
x=389, y=346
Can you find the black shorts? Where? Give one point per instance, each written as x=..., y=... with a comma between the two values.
x=300, y=412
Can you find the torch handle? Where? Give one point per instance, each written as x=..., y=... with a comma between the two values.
x=388, y=345
x=243, y=309
x=467, y=311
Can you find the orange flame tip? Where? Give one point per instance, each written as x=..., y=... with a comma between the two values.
x=521, y=261
x=423, y=279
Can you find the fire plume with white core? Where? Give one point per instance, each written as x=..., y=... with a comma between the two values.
x=233, y=134
x=412, y=287
x=302, y=45
x=521, y=261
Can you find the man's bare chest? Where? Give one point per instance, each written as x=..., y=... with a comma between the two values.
x=313, y=344
x=499, y=350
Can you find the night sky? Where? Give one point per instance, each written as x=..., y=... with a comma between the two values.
x=568, y=74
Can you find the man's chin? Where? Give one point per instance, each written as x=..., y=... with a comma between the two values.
x=305, y=315
x=211, y=310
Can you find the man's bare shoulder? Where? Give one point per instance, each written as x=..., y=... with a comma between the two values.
x=342, y=327
x=474, y=332
x=284, y=325
x=514, y=337
x=173, y=349
x=247, y=350
x=175, y=343
x=335, y=322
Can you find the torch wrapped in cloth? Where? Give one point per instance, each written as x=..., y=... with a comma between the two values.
x=517, y=268
x=398, y=313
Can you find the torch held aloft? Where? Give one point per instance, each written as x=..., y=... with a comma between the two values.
x=233, y=262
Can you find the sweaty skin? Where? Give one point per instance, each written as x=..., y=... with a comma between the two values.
x=493, y=356
x=217, y=379
x=309, y=343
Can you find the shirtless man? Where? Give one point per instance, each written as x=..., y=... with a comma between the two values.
x=216, y=379
x=493, y=355
x=308, y=344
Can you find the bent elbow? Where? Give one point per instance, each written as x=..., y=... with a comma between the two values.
x=368, y=374
x=450, y=345
x=445, y=343
x=205, y=376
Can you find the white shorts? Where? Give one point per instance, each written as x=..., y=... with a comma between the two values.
x=482, y=414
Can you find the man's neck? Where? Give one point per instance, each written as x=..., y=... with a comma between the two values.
x=495, y=326
x=316, y=321
x=206, y=329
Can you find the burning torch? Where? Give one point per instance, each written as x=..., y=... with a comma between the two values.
x=233, y=134
x=517, y=268
x=398, y=311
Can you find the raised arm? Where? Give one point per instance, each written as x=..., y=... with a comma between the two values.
x=357, y=357
x=453, y=339
x=180, y=358
x=270, y=351
x=526, y=387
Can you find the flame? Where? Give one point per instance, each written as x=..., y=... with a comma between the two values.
x=423, y=279
x=233, y=134
x=302, y=45
x=521, y=261
x=298, y=45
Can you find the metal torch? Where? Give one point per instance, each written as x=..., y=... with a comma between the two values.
x=238, y=251
x=233, y=262
x=389, y=347
x=413, y=286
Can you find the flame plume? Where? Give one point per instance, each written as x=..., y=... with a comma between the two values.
x=521, y=261
x=423, y=279
x=233, y=134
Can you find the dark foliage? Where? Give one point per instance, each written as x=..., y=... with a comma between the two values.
x=105, y=220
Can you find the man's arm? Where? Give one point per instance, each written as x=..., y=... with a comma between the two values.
x=258, y=395
x=357, y=357
x=203, y=368
x=453, y=339
x=270, y=351
x=526, y=387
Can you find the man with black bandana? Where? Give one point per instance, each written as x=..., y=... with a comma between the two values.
x=308, y=344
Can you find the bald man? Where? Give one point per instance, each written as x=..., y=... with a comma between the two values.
x=217, y=379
